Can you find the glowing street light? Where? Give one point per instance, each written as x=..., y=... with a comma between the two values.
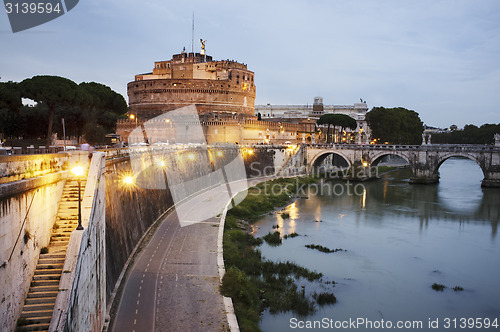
x=191, y=156
x=132, y=117
x=219, y=154
x=128, y=180
x=78, y=172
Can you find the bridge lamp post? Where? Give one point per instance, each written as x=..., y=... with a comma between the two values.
x=77, y=171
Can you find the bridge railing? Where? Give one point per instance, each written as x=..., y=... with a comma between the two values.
x=427, y=147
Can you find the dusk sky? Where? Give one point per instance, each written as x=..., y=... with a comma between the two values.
x=440, y=58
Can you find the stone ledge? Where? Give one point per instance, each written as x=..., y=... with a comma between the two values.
x=17, y=187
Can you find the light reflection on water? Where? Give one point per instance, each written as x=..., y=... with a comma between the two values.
x=400, y=239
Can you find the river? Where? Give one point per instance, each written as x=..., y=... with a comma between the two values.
x=399, y=239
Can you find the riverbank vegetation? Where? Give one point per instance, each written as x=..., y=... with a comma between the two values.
x=322, y=249
x=254, y=283
x=267, y=196
x=273, y=239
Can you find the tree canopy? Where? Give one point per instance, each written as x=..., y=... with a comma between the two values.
x=396, y=125
x=337, y=120
x=10, y=97
x=89, y=109
x=471, y=134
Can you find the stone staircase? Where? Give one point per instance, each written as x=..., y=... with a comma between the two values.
x=39, y=304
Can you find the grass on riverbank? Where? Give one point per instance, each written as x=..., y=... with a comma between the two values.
x=267, y=196
x=256, y=284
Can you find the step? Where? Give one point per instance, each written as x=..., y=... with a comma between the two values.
x=51, y=260
x=69, y=201
x=37, y=320
x=34, y=327
x=37, y=289
x=67, y=209
x=38, y=307
x=46, y=294
x=49, y=266
x=40, y=300
x=50, y=255
x=68, y=205
x=53, y=276
x=67, y=223
x=59, y=246
x=60, y=238
x=59, y=243
x=44, y=283
x=48, y=271
x=38, y=313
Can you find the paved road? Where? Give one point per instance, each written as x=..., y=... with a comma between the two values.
x=174, y=282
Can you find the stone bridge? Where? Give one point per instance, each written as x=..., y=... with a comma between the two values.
x=424, y=160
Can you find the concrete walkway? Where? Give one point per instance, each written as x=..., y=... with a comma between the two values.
x=174, y=284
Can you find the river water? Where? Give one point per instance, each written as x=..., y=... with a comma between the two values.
x=399, y=239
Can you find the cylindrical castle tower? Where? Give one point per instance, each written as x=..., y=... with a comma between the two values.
x=192, y=78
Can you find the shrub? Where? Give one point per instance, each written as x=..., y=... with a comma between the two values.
x=291, y=235
x=438, y=287
x=273, y=239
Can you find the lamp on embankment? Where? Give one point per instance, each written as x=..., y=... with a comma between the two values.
x=77, y=171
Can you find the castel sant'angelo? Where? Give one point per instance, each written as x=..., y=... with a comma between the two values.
x=194, y=78
x=223, y=92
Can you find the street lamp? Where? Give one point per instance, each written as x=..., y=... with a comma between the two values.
x=128, y=180
x=132, y=117
x=78, y=172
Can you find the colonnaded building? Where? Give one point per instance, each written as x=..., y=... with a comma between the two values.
x=310, y=113
x=223, y=92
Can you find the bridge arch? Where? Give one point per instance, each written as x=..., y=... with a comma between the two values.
x=321, y=156
x=377, y=156
x=447, y=156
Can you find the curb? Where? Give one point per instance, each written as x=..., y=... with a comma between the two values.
x=228, y=302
